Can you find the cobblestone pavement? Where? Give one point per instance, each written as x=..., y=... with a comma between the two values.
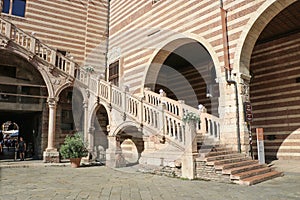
x=39, y=181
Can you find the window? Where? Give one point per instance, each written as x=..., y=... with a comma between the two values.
x=114, y=73
x=14, y=7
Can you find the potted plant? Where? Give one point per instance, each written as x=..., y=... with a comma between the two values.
x=74, y=148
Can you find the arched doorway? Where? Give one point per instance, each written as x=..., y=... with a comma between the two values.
x=274, y=86
x=131, y=144
x=70, y=112
x=185, y=71
x=100, y=143
x=23, y=95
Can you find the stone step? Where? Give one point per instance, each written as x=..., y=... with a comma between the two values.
x=242, y=168
x=228, y=161
x=236, y=164
x=217, y=153
x=224, y=157
x=260, y=178
x=250, y=173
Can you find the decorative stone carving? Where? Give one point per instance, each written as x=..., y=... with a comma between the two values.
x=4, y=43
x=245, y=87
x=52, y=101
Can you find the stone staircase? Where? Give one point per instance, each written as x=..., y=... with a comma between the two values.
x=230, y=166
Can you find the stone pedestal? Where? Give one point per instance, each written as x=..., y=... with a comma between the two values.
x=188, y=169
x=115, y=159
x=114, y=156
x=51, y=156
x=188, y=159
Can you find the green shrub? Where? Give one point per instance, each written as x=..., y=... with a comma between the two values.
x=73, y=147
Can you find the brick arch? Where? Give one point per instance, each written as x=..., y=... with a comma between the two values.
x=165, y=48
x=189, y=59
x=254, y=28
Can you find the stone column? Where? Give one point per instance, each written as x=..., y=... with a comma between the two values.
x=188, y=159
x=114, y=157
x=85, y=126
x=91, y=138
x=51, y=154
x=228, y=115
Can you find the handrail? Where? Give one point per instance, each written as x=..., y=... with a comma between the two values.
x=38, y=48
x=157, y=112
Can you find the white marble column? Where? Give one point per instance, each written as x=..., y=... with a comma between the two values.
x=51, y=154
x=52, y=124
x=85, y=126
x=91, y=134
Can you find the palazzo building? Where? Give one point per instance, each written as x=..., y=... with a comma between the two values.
x=126, y=74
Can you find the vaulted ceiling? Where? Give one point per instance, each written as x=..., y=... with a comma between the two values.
x=285, y=23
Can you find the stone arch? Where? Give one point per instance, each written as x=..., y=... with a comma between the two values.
x=122, y=126
x=130, y=139
x=188, y=65
x=34, y=63
x=253, y=29
x=93, y=110
x=267, y=54
x=62, y=87
x=99, y=121
x=171, y=43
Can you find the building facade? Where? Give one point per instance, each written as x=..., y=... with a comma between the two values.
x=144, y=64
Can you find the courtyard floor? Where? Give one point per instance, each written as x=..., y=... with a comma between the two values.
x=36, y=180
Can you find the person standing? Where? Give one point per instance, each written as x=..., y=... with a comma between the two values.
x=22, y=148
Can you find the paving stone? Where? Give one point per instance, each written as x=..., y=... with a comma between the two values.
x=100, y=182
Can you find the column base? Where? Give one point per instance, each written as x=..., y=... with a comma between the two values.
x=115, y=159
x=51, y=156
x=188, y=166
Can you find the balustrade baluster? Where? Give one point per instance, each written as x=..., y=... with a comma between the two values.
x=8, y=30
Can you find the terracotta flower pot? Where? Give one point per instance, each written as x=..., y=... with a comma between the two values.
x=75, y=162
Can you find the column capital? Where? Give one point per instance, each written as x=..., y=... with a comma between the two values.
x=92, y=129
x=52, y=101
x=85, y=104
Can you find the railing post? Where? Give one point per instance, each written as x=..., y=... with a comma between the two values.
x=188, y=159
x=202, y=122
x=53, y=57
x=124, y=102
x=32, y=45
x=140, y=109
x=109, y=96
x=71, y=69
x=161, y=120
x=180, y=108
x=8, y=30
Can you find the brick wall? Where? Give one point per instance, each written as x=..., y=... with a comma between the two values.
x=140, y=27
x=275, y=95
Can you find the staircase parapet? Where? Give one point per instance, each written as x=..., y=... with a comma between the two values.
x=39, y=49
